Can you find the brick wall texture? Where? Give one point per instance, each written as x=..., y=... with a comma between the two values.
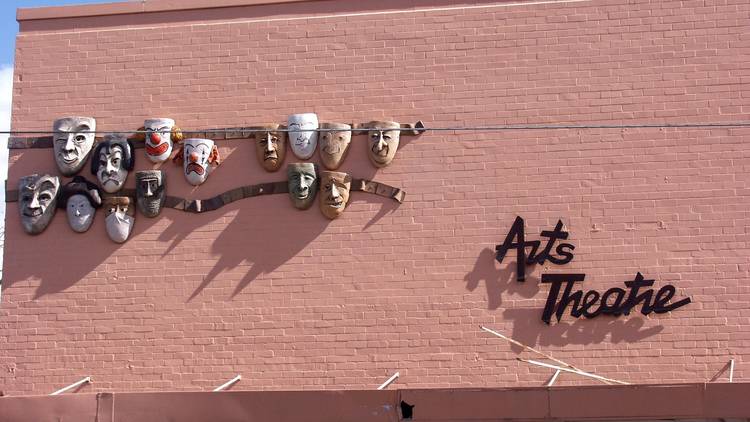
x=291, y=300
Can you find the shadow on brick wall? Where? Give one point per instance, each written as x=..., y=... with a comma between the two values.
x=529, y=329
x=499, y=281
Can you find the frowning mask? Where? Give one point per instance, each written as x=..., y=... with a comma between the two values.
x=270, y=146
x=120, y=218
x=150, y=192
x=160, y=135
x=334, y=144
x=73, y=139
x=196, y=156
x=37, y=199
x=303, y=136
x=113, y=159
x=382, y=142
x=334, y=193
x=81, y=199
x=303, y=184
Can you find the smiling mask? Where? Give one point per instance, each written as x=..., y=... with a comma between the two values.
x=72, y=141
x=334, y=144
x=161, y=134
x=37, y=199
x=303, y=184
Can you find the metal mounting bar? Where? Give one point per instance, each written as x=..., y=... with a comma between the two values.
x=573, y=371
x=72, y=386
x=228, y=383
x=531, y=349
x=553, y=378
x=731, y=370
x=389, y=381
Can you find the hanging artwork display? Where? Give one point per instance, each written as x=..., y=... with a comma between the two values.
x=303, y=136
x=303, y=184
x=196, y=155
x=270, y=146
x=113, y=160
x=159, y=138
x=150, y=192
x=81, y=198
x=334, y=193
x=72, y=142
x=37, y=200
x=120, y=218
x=334, y=144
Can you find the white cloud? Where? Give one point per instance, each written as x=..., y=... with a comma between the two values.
x=6, y=98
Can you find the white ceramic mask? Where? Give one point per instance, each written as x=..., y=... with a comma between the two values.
x=303, y=136
x=80, y=213
x=119, y=221
x=158, y=139
x=197, y=157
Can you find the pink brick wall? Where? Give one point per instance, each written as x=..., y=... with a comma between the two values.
x=293, y=301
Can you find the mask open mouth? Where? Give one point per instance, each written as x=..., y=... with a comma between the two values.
x=69, y=158
x=194, y=168
x=32, y=212
x=380, y=153
x=336, y=203
x=157, y=150
x=270, y=156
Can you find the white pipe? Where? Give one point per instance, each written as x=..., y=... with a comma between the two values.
x=72, y=386
x=389, y=381
x=731, y=370
x=228, y=383
x=559, y=368
x=554, y=378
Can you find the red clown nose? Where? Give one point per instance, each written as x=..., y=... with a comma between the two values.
x=155, y=137
x=194, y=157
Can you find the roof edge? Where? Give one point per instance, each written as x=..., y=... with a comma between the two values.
x=142, y=6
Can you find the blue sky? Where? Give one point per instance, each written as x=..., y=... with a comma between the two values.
x=8, y=31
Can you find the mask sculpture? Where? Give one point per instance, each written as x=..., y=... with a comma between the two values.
x=382, y=142
x=196, y=156
x=303, y=184
x=72, y=142
x=37, y=199
x=334, y=193
x=270, y=146
x=113, y=159
x=120, y=218
x=81, y=199
x=150, y=192
x=303, y=136
x=334, y=144
x=161, y=134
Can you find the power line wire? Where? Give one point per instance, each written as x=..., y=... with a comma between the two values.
x=740, y=124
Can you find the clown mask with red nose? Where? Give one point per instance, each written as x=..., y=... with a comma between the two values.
x=160, y=133
x=196, y=155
